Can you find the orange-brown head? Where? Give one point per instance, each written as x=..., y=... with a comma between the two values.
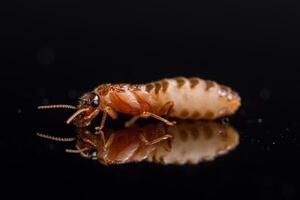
x=88, y=108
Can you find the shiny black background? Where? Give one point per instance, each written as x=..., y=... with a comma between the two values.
x=53, y=51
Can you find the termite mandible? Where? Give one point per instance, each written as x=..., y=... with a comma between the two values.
x=180, y=97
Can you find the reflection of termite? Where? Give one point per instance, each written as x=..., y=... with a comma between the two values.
x=184, y=143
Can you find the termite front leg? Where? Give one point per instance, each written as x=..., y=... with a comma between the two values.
x=99, y=128
x=106, y=111
x=149, y=114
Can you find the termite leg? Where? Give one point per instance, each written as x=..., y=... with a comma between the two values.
x=168, y=145
x=149, y=114
x=113, y=114
x=166, y=109
x=109, y=141
x=106, y=111
x=106, y=144
x=99, y=128
x=131, y=121
x=157, y=140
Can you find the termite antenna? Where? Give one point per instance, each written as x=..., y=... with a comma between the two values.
x=58, y=139
x=76, y=114
x=76, y=150
x=56, y=106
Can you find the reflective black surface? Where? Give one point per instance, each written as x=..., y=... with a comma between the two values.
x=53, y=51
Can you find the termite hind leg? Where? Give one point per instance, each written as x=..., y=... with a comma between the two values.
x=149, y=114
x=131, y=121
x=166, y=108
x=157, y=140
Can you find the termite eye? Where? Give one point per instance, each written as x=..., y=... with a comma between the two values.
x=95, y=100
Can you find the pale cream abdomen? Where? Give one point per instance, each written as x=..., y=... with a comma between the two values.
x=194, y=142
x=195, y=98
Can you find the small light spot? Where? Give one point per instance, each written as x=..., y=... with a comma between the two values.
x=223, y=93
x=287, y=130
x=265, y=94
x=72, y=93
x=273, y=142
x=225, y=120
x=45, y=56
x=259, y=120
x=45, y=102
x=242, y=112
x=19, y=111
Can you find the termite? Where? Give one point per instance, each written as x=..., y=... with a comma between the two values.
x=184, y=143
x=183, y=98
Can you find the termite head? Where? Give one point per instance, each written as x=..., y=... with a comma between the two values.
x=91, y=145
x=88, y=108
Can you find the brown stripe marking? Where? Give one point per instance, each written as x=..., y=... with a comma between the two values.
x=149, y=87
x=208, y=132
x=194, y=82
x=223, y=133
x=134, y=87
x=180, y=81
x=165, y=85
x=183, y=135
x=209, y=115
x=184, y=113
x=162, y=160
x=189, y=162
x=195, y=115
x=209, y=84
x=195, y=133
x=157, y=87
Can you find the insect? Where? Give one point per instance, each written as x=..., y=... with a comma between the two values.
x=184, y=143
x=183, y=98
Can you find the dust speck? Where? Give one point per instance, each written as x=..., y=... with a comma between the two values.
x=45, y=102
x=72, y=93
x=265, y=94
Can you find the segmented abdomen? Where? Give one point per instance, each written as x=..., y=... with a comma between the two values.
x=195, y=98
